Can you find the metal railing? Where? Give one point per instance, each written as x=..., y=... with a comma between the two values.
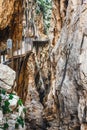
x=8, y=55
x=16, y=59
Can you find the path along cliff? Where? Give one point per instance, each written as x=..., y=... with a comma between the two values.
x=53, y=84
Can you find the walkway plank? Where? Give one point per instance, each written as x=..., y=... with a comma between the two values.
x=26, y=48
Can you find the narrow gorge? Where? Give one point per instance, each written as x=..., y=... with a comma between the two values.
x=43, y=64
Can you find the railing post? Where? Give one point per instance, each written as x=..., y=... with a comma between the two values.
x=20, y=48
x=17, y=55
x=3, y=57
x=17, y=65
x=10, y=50
x=12, y=57
x=0, y=56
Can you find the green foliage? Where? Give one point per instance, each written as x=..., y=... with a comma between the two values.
x=6, y=126
x=0, y=98
x=20, y=102
x=45, y=6
x=5, y=107
x=24, y=110
x=16, y=126
x=11, y=96
x=3, y=91
x=20, y=121
x=7, y=103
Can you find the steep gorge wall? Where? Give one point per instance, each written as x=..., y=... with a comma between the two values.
x=57, y=19
x=70, y=57
x=54, y=79
x=11, y=21
x=64, y=105
x=39, y=80
x=6, y=11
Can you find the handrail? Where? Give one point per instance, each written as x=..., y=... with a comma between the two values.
x=19, y=53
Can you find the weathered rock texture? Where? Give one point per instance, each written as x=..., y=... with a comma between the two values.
x=70, y=57
x=7, y=77
x=54, y=86
x=57, y=19
x=6, y=11
x=8, y=97
x=36, y=86
x=63, y=99
x=34, y=118
x=11, y=20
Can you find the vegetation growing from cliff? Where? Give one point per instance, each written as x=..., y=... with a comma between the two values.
x=7, y=111
x=45, y=7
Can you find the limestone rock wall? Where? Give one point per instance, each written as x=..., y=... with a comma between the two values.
x=70, y=57
x=57, y=19
x=36, y=86
x=54, y=80
x=10, y=108
x=11, y=21
x=6, y=11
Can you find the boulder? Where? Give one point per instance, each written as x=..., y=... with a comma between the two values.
x=7, y=77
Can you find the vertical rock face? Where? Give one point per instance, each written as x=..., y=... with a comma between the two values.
x=33, y=105
x=57, y=19
x=11, y=20
x=6, y=11
x=16, y=23
x=37, y=87
x=56, y=23
x=61, y=103
x=10, y=108
x=7, y=77
x=70, y=57
x=55, y=92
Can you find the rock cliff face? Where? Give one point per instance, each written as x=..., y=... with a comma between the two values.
x=37, y=87
x=11, y=21
x=6, y=11
x=64, y=105
x=10, y=108
x=54, y=83
x=70, y=57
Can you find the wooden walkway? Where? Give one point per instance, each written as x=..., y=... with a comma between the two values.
x=22, y=52
x=18, y=59
x=25, y=48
